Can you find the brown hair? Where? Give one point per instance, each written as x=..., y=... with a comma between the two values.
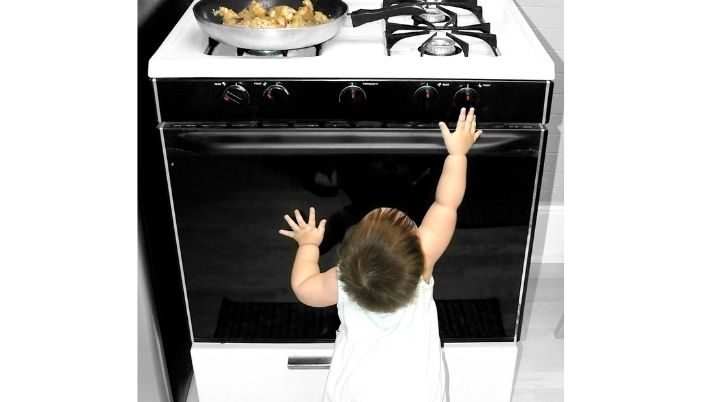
x=381, y=260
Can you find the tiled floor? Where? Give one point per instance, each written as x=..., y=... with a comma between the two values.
x=540, y=366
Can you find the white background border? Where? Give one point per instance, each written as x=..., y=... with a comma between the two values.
x=639, y=198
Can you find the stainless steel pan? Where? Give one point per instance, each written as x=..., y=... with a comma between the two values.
x=289, y=38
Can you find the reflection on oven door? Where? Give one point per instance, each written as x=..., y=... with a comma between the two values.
x=237, y=267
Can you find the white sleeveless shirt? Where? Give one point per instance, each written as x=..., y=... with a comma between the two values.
x=387, y=357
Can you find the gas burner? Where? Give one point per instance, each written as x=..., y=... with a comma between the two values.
x=442, y=46
x=433, y=15
x=441, y=17
x=261, y=53
x=439, y=46
x=216, y=48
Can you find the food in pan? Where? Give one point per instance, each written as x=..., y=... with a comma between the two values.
x=257, y=16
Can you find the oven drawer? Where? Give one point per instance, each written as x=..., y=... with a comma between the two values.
x=480, y=371
x=260, y=372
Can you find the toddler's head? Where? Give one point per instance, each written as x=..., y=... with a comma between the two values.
x=381, y=260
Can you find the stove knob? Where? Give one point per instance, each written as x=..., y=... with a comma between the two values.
x=426, y=98
x=276, y=96
x=352, y=95
x=465, y=97
x=237, y=94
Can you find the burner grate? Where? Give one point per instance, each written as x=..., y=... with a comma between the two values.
x=423, y=26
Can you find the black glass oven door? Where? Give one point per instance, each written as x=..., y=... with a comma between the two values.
x=231, y=187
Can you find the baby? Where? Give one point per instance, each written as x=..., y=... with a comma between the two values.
x=387, y=347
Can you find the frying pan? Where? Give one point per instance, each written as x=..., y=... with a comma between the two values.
x=289, y=38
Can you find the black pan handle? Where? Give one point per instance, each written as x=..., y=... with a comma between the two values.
x=360, y=17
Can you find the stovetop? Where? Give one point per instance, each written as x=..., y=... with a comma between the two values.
x=486, y=39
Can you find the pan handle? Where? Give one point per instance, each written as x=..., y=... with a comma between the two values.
x=362, y=16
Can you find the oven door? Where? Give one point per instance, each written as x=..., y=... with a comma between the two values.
x=231, y=187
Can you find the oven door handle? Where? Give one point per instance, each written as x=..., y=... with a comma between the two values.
x=308, y=362
x=365, y=141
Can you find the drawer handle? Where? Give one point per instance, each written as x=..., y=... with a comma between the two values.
x=309, y=363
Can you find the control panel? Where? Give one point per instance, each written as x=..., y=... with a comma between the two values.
x=384, y=101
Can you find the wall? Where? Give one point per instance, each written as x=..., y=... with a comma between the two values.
x=152, y=379
x=546, y=17
x=152, y=385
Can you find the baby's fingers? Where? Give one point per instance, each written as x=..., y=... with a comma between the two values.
x=470, y=118
x=322, y=227
x=290, y=222
x=444, y=130
x=476, y=135
x=311, y=217
x=299, y=218
x=286, y=233
x=460, y=120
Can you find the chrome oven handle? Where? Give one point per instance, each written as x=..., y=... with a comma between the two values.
x=308, y=362
x=343, y=141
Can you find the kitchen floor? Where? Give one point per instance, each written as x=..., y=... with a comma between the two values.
x=540, y=366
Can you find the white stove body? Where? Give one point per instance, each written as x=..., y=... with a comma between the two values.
x=260, y=373
x=256, y=372
x=360, y=52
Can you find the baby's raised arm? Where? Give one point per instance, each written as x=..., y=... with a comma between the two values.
x=438, y=225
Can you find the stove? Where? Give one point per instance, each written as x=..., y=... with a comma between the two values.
x=344, y=126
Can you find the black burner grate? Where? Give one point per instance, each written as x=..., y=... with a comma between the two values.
x=395, y=32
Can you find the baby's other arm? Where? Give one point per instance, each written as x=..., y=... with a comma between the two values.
x=438, y=225
x=311, y=287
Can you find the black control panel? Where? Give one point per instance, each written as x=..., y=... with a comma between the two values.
x=353, y=102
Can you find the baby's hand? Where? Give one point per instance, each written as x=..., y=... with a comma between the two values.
x=302, y=232
x=460, y=141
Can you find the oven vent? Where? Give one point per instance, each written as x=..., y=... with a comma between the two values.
x=459, y=320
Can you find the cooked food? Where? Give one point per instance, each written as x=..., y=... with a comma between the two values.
x=257, y=16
